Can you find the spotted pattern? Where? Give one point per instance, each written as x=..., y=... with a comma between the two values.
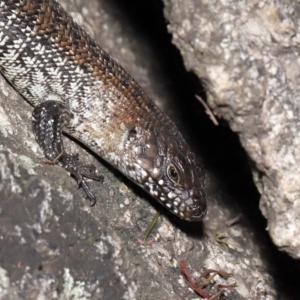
x=47, y=56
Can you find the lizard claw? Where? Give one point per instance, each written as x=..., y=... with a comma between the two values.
x=88, y=192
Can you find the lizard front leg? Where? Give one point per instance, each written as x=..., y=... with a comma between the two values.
x=48, y=120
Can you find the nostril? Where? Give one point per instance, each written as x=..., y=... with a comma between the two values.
x=195, y=193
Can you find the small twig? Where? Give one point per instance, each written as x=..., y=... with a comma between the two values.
x=150, y=227
x=197, y=285
x=221, y=235
x=234, y=220
x=216, y=296
x=227, y=286
x=207, y=280
x=207, y=110
x=219, y=238
x=190, y=282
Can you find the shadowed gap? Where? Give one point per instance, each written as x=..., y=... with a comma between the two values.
x=219, y=146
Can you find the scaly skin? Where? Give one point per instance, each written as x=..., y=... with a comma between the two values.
x=46, y=56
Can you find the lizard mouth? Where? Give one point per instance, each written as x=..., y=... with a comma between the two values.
x=191, y=209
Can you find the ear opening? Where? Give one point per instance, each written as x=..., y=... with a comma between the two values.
x=132, y=134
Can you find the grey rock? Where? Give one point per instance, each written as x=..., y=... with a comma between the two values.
x=247, y=54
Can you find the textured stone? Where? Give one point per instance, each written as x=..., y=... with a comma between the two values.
x=247, y=54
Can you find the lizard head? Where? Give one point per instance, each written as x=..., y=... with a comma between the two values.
x=164, y=166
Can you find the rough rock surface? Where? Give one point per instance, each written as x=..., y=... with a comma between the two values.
x=247, y=54
x=54, y=246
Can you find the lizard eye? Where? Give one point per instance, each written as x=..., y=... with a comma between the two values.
x=173, y=173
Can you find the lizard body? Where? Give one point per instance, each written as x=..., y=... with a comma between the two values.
x=77, y=87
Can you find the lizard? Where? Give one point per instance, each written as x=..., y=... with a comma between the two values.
x=77, y=88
